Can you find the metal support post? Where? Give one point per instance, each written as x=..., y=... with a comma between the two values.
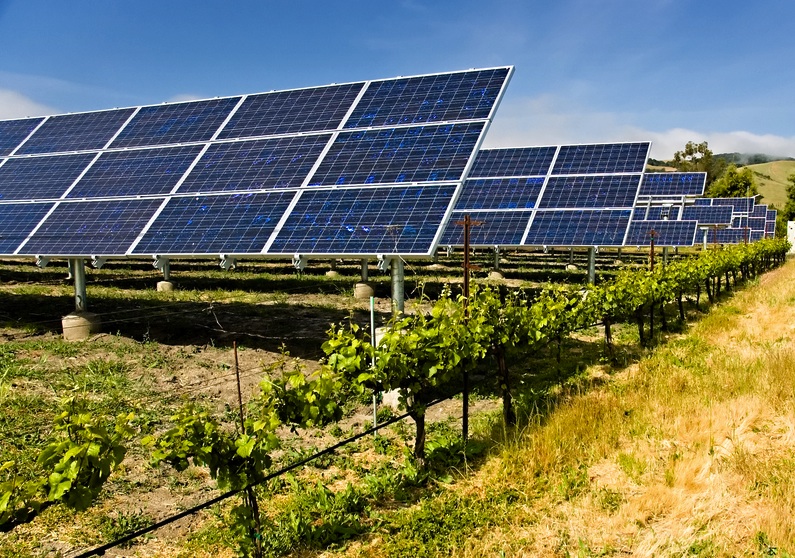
x=706, y=240
x=665, y=255
x=398, y=293
x=364, y=270
x=79, y=273
x=496, y=258
x=166, y=270
x=592, y=265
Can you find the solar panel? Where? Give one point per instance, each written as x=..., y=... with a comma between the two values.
x=395, y=155
x=740, y=205
x=602, y=158
x=590, y=191
x=665, y=233
x=12, y=132
x=356, y=169
x=501, y=193
x=397, y=220
x=771, y=214
x=730, y=235
x=704, y=202
x=220, y=224
x=437, y=98
x=756, y=235
x=578, y=228
x=662, y=213
x=523, y=161
x=719, y=215
x=97, y=227
x=135, y=173
x=757, y=223
x=40, y=178
x=17, y=221
x=759, y=211
x=770, y=228
x=76, y=132
x=493, y=228
x=291, y=112
x=673, y=184
x=256, y=165
x=193, y=121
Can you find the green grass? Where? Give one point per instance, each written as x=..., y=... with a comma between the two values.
x=772, y=179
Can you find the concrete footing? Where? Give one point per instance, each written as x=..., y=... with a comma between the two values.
x=165, y=286
x=496, y=276
x=332, y=273
x=80, y=325
x=363, y=291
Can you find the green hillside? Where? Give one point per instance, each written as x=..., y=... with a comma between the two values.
x=772, y=180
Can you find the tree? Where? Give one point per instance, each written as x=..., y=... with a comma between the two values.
x=734, y=184
x=788, y=213
x=697, y=157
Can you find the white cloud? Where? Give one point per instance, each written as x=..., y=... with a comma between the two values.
x=16, y=105
x=544, y=121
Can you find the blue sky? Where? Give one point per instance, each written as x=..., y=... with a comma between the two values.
x=668, y=71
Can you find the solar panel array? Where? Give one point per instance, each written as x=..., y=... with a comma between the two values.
x=570, y=195
x=354, y=169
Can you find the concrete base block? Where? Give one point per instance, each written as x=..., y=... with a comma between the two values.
x=391, y=399
x=363, y=291
x=496, y=276
x=332, y=273
x=165, y=286
x=436, y=267
x=571, y=267
x=80, y=325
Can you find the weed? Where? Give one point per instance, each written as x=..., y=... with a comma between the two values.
x=123, y=523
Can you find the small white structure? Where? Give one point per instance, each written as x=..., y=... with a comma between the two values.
x=791, y=236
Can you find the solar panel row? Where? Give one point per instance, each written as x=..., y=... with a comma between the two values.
x=357, y=169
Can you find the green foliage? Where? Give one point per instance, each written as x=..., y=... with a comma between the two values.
x=734, y=184
x=72, y=468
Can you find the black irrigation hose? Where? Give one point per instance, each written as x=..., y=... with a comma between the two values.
x=100, y=550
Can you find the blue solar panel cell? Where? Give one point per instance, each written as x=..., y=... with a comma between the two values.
x=491, y=228
x=771, y=214
x=665, y=233
x=396, y=155
x=578, y=228
x=673, y=184
x=39, y=178
x=13, y=132
x=590, y=191
x=527, y=161
x=703, y=202
x=224, y=224
x=97, y=227
x=76, y=132
x=289, y=112
x=770, y=227
x=175, y=123
x=255, y=165
x=397, y=220
x=135, y=173
x=602, y=158
x=756, y=235
x=501, y=193
x=717, y=215
x=17, y=221
x=436, y=98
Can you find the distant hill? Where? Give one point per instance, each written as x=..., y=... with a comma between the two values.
x=771, y=177
x=750, y=158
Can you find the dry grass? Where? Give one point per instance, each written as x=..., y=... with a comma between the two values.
x=691, y=452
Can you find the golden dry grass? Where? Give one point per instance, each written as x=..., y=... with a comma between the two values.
x=691, y=452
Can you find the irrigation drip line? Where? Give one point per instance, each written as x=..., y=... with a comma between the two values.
x=100, y=550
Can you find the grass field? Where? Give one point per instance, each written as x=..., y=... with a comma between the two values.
x=772, y=179
x=683, y=450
